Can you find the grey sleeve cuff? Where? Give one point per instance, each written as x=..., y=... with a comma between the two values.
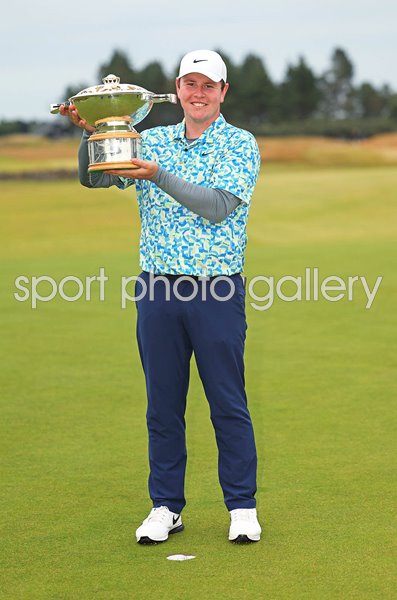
x=212, y=204
x=93, y=180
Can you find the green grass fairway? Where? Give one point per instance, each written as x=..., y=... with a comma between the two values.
x=321, y=381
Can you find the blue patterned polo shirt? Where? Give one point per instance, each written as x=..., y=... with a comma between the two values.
x=174, y=239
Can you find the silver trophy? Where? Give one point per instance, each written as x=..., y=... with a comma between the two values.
x=113, y=108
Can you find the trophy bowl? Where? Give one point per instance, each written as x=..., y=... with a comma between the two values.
x=113, y=108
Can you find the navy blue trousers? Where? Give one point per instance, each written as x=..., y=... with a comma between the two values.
x=168, y=332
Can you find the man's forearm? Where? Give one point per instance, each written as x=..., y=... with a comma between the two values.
x=213, y=204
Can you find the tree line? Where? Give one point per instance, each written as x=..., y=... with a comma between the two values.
x=304, y=102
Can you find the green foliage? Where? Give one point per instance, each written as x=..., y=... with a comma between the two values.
x=371, y=102
x=257, y=92
x=337, y=87
x=232, y=107
x=299, y=93
x=340, y=128
x=303, y=102
x=393, y=107
x=119, y=65
x=8, y=127
x=153, y=78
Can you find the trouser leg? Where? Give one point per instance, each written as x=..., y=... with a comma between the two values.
x=165, y=353
x=217, y=330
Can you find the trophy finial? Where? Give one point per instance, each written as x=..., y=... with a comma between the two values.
x=109, y=79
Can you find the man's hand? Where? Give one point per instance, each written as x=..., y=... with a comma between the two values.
x=146, y=169
x=71, y=112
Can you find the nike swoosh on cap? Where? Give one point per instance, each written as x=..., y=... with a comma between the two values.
x=196, y=60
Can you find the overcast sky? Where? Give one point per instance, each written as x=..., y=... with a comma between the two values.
x=46, y=46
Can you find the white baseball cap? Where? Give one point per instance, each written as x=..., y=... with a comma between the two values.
x=206, y=62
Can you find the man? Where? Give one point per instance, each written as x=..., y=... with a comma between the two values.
x=194, y=188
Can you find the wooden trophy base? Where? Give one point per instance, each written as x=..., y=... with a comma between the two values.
x=111, y=166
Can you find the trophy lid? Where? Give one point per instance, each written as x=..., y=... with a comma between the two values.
x=111, y=86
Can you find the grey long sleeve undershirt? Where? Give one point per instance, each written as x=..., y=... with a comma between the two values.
x=212, y=204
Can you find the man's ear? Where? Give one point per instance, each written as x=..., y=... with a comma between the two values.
x=177, y=86
x=224, y=92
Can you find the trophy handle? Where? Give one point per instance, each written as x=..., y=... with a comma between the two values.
x=147, y=96
x=54, y=108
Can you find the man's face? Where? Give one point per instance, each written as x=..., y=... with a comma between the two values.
x=200, y=97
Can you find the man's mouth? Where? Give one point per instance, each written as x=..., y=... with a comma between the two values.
x=198, y=104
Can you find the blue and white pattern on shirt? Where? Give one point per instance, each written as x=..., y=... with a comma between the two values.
x=174, y=239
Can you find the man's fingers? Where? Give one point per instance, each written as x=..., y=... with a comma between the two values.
x=145, y=170
x=71, y=112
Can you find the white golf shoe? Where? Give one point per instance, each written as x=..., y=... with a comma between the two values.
x=156, y=527
x=244, y=526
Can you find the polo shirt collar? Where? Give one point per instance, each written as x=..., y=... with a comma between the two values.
x=207, y=136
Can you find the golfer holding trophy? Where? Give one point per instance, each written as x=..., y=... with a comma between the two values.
x=194, y=183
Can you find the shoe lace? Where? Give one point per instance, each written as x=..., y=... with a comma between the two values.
x=244, y=514
x=158, y=514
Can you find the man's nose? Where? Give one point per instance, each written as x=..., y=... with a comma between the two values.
x=199, y=92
